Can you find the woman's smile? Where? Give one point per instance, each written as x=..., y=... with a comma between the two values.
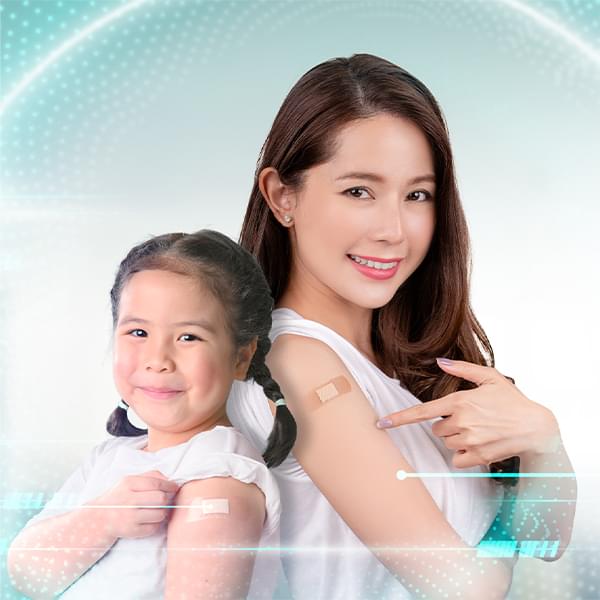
x=375, y=268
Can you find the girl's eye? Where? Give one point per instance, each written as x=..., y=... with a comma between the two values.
x=189, y=335
x=425, y=195
x=134, y=333
x=360, y=193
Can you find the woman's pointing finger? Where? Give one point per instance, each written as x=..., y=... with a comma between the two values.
x=442, y=407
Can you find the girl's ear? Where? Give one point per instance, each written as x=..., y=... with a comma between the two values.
x=244, y=358
x=279, y=197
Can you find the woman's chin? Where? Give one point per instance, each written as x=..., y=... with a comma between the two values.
x=373, y=300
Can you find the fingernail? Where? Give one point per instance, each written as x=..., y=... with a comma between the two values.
x=383, y=423
x=444, y=361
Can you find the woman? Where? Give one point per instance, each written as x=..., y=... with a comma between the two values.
x=356, y=220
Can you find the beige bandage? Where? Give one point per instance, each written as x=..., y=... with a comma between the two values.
x=332, y=389
x=203, y=508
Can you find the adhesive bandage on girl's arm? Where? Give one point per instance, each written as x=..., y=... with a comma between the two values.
x=203, y=508
x=210, y=539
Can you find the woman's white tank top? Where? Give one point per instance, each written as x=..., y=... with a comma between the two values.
x=322, y=557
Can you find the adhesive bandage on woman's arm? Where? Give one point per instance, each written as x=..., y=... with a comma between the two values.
x=338, y=386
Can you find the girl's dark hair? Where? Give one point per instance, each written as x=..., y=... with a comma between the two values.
x=430, y=314
x=236, y=280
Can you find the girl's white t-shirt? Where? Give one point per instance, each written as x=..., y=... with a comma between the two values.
x=134, y=569
x=322, y=557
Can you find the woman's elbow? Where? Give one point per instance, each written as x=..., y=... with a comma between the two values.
x=494, y=588
x=490, y=583
x=555, y=553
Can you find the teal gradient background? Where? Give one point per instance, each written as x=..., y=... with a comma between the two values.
x=154, y=122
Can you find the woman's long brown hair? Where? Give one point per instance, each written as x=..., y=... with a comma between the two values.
x=430, y=315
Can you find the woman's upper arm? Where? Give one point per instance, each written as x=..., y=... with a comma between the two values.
x=213, y=521
x=354, y=464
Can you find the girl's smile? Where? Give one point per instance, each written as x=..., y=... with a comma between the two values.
x=174, y=359
x=160, y=393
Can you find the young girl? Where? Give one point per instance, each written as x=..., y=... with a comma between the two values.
x=173, y=511
x=356, y=220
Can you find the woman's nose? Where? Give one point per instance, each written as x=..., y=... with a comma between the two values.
x=389, y=226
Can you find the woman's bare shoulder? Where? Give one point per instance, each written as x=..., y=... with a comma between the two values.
x=307, y=371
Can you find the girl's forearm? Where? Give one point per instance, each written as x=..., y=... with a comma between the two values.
x=48, y=556
x=544, y=507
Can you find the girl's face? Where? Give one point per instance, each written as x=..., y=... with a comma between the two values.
x=174, y=360
x=373, y=201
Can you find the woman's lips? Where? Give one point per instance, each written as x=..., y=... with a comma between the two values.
x=160, y=393
x=373, y=272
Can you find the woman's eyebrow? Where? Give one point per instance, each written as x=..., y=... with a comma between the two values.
x=421, y=178
x=378, y=178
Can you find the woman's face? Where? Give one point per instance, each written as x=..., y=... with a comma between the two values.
x=373, y=201
x=173, y=356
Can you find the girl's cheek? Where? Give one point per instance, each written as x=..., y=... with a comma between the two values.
x=205, y=373
x=124, y=364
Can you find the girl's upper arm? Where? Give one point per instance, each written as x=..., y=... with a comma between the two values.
x=354, y=464
x=214, y=523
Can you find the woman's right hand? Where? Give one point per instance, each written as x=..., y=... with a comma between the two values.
x=137, y=506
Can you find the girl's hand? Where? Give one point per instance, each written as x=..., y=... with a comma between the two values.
x=137, y=506
x=487, y=424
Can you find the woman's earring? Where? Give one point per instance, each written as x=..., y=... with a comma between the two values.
x=288, y=218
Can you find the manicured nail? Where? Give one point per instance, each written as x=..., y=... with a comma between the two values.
x=445, y=361
x=383, y=423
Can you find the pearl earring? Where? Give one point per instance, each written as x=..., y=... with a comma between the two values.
x=287, y=218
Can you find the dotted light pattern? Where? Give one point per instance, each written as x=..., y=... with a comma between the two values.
x=60, y=134
x=57, y=132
